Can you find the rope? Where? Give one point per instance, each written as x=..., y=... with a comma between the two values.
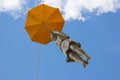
x=38, y=66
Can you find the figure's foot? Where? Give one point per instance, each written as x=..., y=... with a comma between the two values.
x=88, y=58
x=85, y=63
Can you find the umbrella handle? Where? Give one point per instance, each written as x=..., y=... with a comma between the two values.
x=46, y=26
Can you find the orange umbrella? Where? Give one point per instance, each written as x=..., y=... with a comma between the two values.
x=41, y=20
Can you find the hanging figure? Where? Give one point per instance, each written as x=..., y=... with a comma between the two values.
x=70, y=48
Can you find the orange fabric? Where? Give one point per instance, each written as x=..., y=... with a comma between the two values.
x=42, y=18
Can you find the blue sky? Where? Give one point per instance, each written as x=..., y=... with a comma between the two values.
x=99, y=36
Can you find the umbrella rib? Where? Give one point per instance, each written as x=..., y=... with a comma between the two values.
x=36, y=32
x=33, y=24
x=57, y=24
x=35, y=16
x=51, y=15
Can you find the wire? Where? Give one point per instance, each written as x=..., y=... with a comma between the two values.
x=38, y=65
x=43, y=1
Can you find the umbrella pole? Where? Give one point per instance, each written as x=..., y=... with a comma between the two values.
x=46, y=26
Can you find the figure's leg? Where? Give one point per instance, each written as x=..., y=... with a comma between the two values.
x=78, y=50
x=84, y=54
x=76, y=57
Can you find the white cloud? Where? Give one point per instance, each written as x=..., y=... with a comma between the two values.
x=74, y=9
x=12, y=7
x=71, y=9
x=56, y=3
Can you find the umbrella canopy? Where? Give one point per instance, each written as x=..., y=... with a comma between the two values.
x=41, y=20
